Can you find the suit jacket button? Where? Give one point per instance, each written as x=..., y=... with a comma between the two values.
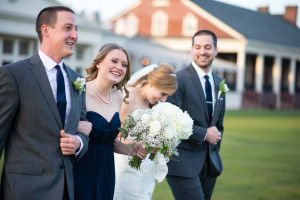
x=62, y=166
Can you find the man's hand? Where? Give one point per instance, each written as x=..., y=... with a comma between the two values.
x=84, y=127
x=68, y=143
x=213, y=135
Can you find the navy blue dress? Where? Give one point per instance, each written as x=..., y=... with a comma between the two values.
x=94, y=173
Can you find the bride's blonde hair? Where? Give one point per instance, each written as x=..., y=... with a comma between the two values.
x=162, y=77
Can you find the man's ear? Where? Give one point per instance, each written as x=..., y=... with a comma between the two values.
x=216, y=51
x=45, y=30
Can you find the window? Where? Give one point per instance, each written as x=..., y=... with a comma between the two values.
x=120, y=26
x=189, y=25
x=78, y=69
x=160, y=3
x=5, y=63
x=23, y=47
x=79, y=52
x=132, y=25
x=8, y=46
x=159, y=24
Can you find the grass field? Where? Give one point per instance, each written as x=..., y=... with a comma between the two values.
x=261, y=157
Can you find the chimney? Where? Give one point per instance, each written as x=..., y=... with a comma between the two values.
x=290, y=14
x=263, y=9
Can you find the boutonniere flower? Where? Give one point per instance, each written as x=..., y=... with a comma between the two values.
x=79, y=84
x=223, y=88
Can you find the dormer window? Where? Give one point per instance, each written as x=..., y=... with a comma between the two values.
x=160, y=3
x=189, y=25
x=159, y=23
x=132, y=25
x=120, y=27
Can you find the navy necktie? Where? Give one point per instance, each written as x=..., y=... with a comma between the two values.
x=61, y=95
x=208, y=96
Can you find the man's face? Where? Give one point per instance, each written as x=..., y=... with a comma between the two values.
x=203, y=51
x=63, y=36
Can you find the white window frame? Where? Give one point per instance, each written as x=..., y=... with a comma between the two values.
x=189, y=25
x=159, y=23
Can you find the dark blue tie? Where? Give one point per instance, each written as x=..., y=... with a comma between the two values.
x=208, y=96
x=61, y=95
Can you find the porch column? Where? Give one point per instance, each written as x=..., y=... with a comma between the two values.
x=259, y=73
x=15, y=53
x=241, y=59
x=1, y=49
x=292, y=76
x=277, y=68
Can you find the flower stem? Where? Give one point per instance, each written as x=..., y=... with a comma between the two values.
x=152, y=156
x=135, y=162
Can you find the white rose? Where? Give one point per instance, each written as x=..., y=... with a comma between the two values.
x=154, y=127
x=145, y=118
x=155, y=115
x=169, y=133
x=226, y=88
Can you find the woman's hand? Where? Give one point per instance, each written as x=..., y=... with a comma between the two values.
x=84, y=127
x=154, y=151
x=139, y=150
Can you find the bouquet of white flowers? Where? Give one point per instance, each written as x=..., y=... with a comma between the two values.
x=162, y=127
x=181, y=120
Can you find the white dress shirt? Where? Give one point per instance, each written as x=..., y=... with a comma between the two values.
x=201, y=75
x=51, y=73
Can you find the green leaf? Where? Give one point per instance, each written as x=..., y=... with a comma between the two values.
x=123, y=130
x=221, y=86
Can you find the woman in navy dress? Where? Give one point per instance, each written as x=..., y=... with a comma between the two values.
x=94, y=173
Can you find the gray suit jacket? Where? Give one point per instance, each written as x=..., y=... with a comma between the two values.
x=192, y=152
x=34, y=167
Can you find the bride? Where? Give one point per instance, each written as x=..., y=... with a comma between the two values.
x=147, y=87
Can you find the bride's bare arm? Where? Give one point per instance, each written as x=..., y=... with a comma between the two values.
x=125, y=149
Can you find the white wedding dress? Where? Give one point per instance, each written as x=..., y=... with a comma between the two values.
x=132, y=184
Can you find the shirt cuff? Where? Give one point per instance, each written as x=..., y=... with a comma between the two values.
x=205, y=137
x=76, y=153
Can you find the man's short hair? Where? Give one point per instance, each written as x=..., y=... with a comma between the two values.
x=48, y=16
x=206, y=32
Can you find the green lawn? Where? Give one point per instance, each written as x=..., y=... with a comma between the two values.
x=261, y=157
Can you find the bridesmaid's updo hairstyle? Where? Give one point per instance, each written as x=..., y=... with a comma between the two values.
x=92, y=71
x=162, y=77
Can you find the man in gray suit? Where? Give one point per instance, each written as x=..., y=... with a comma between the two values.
x=192, y=175
x=39, y=114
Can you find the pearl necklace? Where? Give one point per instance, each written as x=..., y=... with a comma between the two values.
x=110, y=99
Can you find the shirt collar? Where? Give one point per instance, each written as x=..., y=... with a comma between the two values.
x=201, y=73
x=48, y=62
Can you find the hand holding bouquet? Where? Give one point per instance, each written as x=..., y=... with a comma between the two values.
x=162, y=127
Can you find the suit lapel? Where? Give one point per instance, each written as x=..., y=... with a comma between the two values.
x=39, y=72
x=71, y=77
x=218, y=104
x=197, y=83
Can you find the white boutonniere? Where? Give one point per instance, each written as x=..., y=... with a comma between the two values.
x=79, y=84
x=223, y=89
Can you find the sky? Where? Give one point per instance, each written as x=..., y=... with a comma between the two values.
x=109, y=8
